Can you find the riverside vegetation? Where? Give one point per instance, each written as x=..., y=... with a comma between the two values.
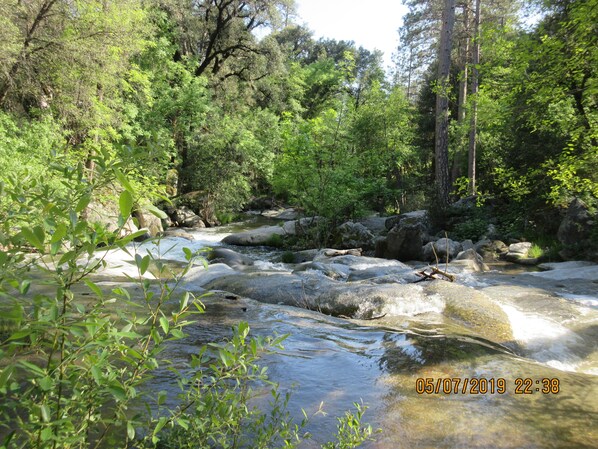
x=77, y=361
x=142, y=103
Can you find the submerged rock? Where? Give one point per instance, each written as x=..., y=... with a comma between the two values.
x=474, y=309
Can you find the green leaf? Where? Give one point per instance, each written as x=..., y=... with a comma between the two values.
x=24, y=288
x=125, y=203
x=34, y=237
x=83, y=203
x=67, y=257
x=123, y=181
x=142, y=263
x=161, y=423
x=188, y=254
x=164, y=324
x=20, y=334
x=94, y=288
x=156, y=212
x=5, y=376
x=45, y=412
x=46, y=383
x=130, y=430
x=97, y=374
x=118, y=392
x=59, y=233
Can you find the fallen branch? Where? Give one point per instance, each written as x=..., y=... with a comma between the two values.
x=434, y=272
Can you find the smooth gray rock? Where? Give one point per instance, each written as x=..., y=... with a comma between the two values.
x=230, y=258
x=354, y=235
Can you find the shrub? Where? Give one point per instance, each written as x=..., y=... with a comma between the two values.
x=74, y=367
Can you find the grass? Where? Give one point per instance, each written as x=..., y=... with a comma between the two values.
x=535, y=252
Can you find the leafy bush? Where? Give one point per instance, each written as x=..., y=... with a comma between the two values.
x=75, y=368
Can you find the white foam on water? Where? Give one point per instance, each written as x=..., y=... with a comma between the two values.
x=270, y=266
x=412, y=306
x=547, y=341
x=171, y=248
x=585, y=300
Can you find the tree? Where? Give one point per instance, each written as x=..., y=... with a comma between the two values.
x=442, y=105
x=471, y=166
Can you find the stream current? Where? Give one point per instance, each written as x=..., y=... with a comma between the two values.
x=335, y=361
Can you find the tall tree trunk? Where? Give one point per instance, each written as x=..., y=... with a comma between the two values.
x=442, y=110
x=462, y=99
x=471, y=166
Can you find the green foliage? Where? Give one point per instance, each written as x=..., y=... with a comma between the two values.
x=275, y=240
x=350, y=431
x=77, y=356
x=288, y=257
x=535, y=252
x=471, y=229
x=231, y=155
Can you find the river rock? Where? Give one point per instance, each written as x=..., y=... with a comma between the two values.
x=442, y=247
x=416, y=217
x=230, y=258
x=576, y=229
x=354, y=235
x=286, y=214
x=474, y=309
x=149, y=221
x=199, y=276
x=330, y=297
x=518, y=251
x=473, y=260
x=331, y=270
x=376, y=225
x=107, y=216
x=260, y=236
x=491, y=250
x=467, y=244
x=271, y=235
x=183, y=216
x=403, y=242
x=569, y=271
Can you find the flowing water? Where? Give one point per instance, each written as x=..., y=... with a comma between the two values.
x=336, y=361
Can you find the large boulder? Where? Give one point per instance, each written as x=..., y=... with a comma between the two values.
x=183, y=216
x=265, y=235
x=200, y=204
x=230, y=258
x=491, y=250
x=576, y=229
x=149, y=221
x=406, y=236
x=442, y=248
x=518, y=251
x=271, y=235
x=472, y=260
x=285, y=214
x=417, y=217
x=376, y=225
x=354, y=235
x=107, y=216
x=403, y=242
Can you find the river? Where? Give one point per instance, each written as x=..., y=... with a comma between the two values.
x=539, y=389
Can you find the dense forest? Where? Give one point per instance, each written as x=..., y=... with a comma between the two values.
x=226, y=105
x=186, y=98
